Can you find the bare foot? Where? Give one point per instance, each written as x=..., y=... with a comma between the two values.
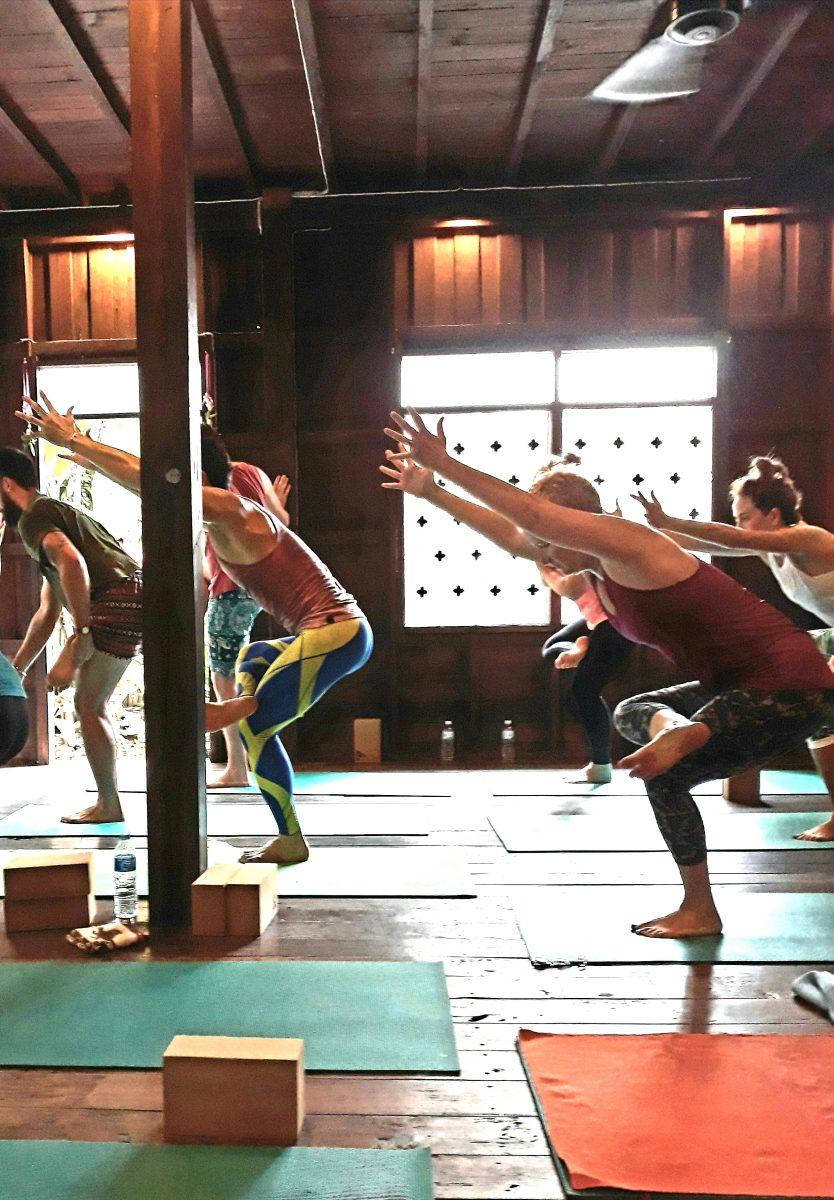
x=685, y=923
x=229, y=712
x=820, y=833
x=225, y=780
x=594, y=773
x=665, y=750
x=97, y=814
x=285, y=849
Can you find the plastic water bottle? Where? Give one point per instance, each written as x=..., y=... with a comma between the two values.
x=125, y=898
x=508, y=744
x=447, y=743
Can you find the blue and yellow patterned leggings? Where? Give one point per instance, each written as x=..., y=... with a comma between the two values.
x=288, y=676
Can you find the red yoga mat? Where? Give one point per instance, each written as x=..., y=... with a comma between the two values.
x=715, y=1114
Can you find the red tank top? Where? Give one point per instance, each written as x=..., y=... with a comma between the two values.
x=246, y=480
x=717, y=632
x=293, y=585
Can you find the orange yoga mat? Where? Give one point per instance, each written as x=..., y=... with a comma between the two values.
x=714, y=1114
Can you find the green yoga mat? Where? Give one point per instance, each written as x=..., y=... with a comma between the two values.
x=563, y=926
x=331, y=783
x=32, y=1170
x=555, y=783
x=536, y=829
x=336, y=818
x=352, y=1016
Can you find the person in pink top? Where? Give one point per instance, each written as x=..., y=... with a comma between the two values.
x=231, y=612
x=758, y=684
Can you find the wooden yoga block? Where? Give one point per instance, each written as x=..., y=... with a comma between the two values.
x=233, y=1090
x=208, y=901
x=56, y=912
x=251, y=899
x=744, y=788
x=47, y=876
x=367, y=740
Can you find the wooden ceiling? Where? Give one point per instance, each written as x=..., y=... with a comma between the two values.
x=401, y=94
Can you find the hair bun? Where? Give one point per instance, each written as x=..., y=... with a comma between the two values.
x=768, y=467
x=571, y=460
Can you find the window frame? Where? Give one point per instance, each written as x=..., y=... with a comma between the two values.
x=557, y=346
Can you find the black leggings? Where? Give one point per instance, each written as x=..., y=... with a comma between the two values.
x=606, y=652
x=748, y=729
x=14, y=727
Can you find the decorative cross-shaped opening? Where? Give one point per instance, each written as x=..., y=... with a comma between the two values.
x=656, y=442
x=619, y=443
x=440, y=556
x=495, y=589
x=496, y=446
x=458, y=590
x=458, y=449
x=421, y=521
x=675, y=478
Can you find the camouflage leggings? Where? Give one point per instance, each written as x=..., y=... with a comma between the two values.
x=748, y=729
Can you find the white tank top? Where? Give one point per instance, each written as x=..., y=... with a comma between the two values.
x=812, y=592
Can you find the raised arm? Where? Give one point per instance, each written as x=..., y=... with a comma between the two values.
x=406, y=476
x=596, y=533
x=714, y=537
x=61, y=430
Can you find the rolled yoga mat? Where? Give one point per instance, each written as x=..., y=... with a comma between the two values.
x=535, y=828
x=31, y=1170
x=352, y=1016
x=685, y=1113
x=565, y=925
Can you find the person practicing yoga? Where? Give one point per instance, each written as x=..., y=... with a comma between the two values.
x=759, y=683
x=14, y=715
x=328, y=635
x=767, y=507
x=231, y=613
x=593, y=648
x=87, y=572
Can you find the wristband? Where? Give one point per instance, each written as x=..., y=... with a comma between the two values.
x=83, y=631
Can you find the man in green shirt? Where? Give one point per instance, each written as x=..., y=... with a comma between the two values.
x=87, y=572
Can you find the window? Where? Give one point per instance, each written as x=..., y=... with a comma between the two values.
x=105, y=397
x=640, y=418
x=498, y=418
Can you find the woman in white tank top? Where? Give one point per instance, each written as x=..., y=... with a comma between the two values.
x=767, y=512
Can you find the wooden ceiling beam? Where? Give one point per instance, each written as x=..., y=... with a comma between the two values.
x=72, y=32
x=20, y=129
x=223, y=84
x=306, y=30
x=750, y=86
x=425, y=37
x=551, y=11
x=619, y=127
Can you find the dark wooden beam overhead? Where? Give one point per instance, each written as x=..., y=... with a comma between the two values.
x=551, y=11
x=102, y=85
x=169, y=393
x=425, y=34
x=228, y=90
x=315, y=87
x=211, y=216
x=622, y=119
x=21, y=130
x=749, y=87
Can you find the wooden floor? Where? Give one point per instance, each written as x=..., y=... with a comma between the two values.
x=486, y=1140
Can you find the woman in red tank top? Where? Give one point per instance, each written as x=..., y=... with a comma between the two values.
x=759, y=684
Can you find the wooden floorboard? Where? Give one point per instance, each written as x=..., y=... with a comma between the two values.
x=486, y=1140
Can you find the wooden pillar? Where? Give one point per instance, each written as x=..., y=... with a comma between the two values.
x=169, y=388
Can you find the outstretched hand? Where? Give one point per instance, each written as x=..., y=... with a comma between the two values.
x=406, y=476
x=652, y=508
x=572, y=658
x=281, y=487
x=423, y=447
x=52, y=426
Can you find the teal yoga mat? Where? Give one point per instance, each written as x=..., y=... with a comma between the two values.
x=333, y=783
x=536, y=829
x=352, y=1016
x=563, y=926
x=336, y=818
x=555, y=783
x=31, y=1170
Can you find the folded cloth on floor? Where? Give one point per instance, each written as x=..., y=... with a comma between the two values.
x=817, y=988
x=96, y=939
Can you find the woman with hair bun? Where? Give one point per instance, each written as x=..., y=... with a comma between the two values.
x=767, y=507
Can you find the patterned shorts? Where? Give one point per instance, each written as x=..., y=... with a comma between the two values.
x=824, y=736
x=116, y=617
x=230, y=620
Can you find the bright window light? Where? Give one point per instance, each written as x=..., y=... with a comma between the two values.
x=649, y=375
x=440, y=381
x=94, y=389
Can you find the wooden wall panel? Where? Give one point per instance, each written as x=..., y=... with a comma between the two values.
x=473, y=279
x=778, y=268
x=82, y=291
